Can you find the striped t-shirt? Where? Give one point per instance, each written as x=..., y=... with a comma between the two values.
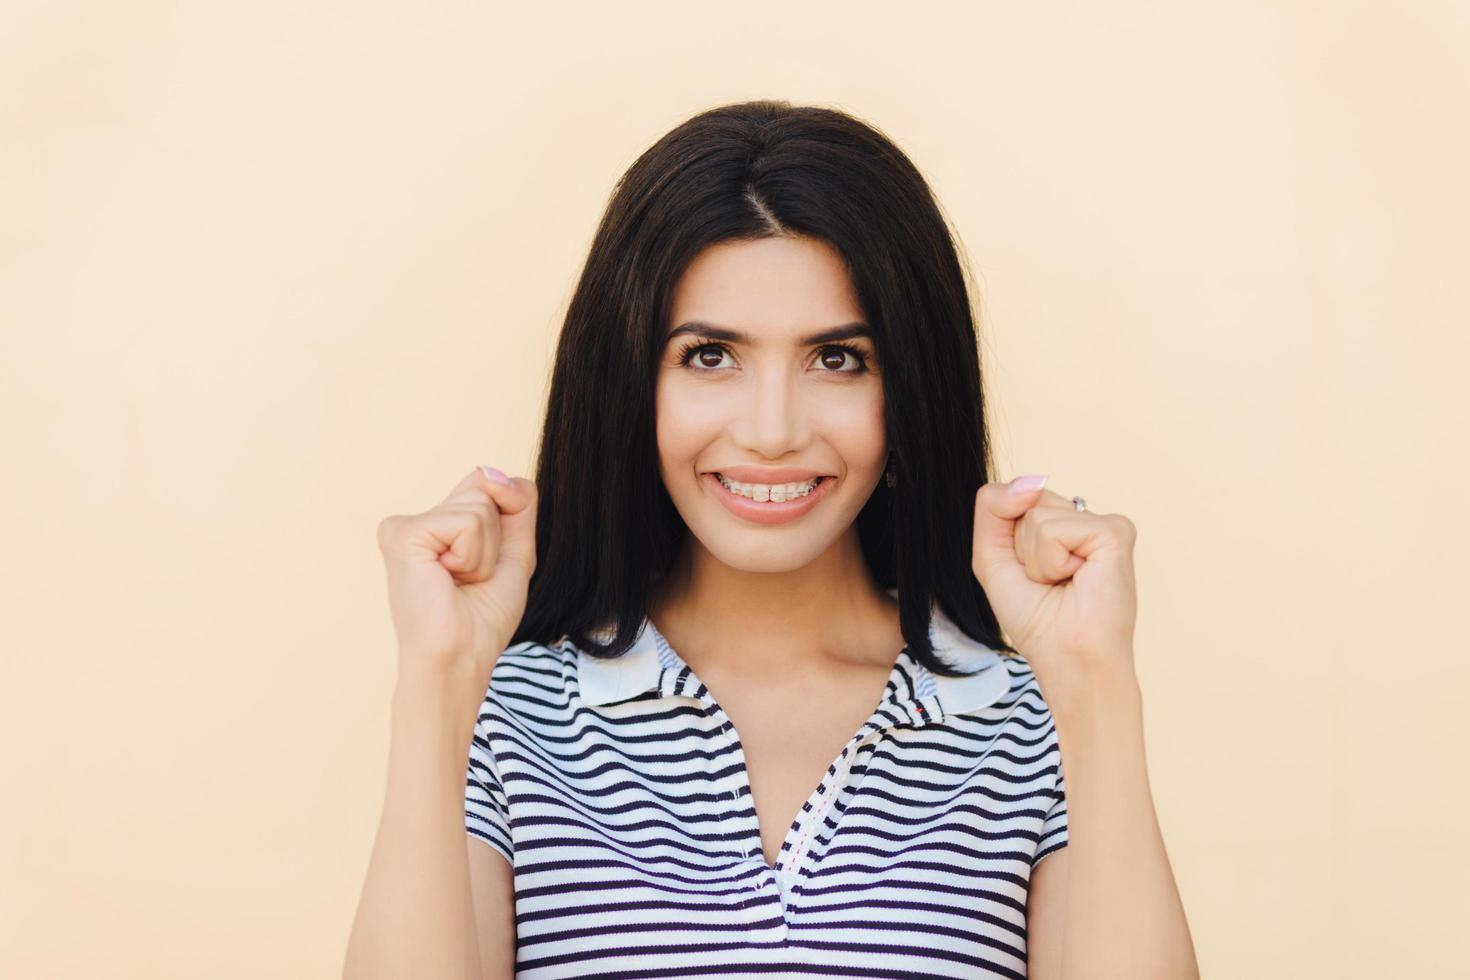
x=618, y=791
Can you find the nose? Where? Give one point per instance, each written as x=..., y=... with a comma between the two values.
x=772, y=423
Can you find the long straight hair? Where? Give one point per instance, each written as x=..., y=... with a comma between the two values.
x=606, y=528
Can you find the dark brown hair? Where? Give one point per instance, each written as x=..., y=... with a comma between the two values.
x=606, y=529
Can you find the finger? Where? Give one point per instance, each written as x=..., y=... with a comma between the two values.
x=490, y=536
x=477, y=484
x=1050, y=498
x=1060, y=543
x=508, y=512
x=1048, y=504
x=518, y=529
x=512, y=497
x=466, y=545
x=1043, y=550
x=997, y=509
x=473, y=480
x=478, y=561
x=444, y=536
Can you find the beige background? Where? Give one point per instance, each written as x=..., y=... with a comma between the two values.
x=271, y=271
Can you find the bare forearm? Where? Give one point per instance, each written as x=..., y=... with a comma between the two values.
x=416, y=914
x=1124, y=916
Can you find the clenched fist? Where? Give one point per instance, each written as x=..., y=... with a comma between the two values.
x=458, y=575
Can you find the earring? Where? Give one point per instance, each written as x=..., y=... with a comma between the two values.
x=892, y=478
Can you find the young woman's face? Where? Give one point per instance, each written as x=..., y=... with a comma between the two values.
x=768, y=378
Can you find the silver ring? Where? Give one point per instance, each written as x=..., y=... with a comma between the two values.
x=1079, y=503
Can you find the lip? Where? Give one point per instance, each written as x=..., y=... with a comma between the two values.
x=769, y=474
x=766, y=513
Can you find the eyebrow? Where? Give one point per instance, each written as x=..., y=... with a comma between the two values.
x=842, y=332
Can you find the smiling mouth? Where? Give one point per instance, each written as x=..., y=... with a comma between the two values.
x=771, y=493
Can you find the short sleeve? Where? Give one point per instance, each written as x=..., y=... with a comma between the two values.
x=486, y=810
x=1054, y=825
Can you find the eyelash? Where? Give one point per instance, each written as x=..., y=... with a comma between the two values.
x=687, y=352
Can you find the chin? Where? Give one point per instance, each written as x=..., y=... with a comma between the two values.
x=750, y=554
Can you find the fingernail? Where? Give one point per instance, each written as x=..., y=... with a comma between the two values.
x=1023, y=484
x=494, y=475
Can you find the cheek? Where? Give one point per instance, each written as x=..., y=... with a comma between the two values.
x=683, y=422
x=857, y=431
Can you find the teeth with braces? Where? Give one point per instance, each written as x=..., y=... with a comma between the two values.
x=775, y=493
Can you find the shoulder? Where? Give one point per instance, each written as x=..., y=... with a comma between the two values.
x=531, y=656
x=528, y=671
x=1028, y=717
x=1024, y=688
x=1022, y=711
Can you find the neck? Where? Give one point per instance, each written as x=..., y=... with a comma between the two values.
x=806, y=621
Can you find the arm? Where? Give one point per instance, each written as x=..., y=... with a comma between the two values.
x=1106, y=905
x=458, y=575
x=417, y=914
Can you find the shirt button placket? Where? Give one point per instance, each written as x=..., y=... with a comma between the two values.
x=812, y=823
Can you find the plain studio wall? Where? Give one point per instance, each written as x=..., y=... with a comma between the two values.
x=272, y=271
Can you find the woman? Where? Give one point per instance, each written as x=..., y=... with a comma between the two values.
x=730, y=674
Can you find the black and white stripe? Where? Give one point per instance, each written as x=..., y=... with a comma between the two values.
x=618, y=792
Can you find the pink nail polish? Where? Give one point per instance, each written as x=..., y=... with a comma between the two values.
x=494, y=475
x=1025, y=484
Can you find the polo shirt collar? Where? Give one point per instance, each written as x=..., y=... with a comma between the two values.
x=651, y=664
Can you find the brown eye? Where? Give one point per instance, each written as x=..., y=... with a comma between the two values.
x=832, y=357
x=697, y=357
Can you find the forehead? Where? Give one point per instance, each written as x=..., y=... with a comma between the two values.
x=766, y=286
